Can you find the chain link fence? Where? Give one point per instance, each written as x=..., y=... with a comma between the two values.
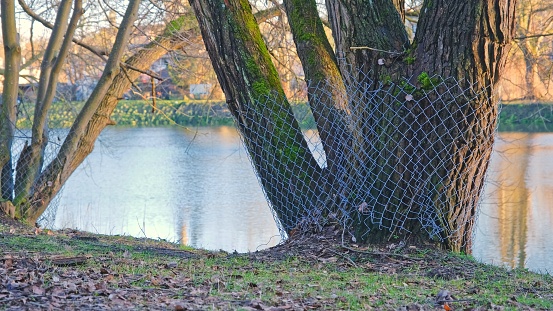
x=405, y=158
x=22, y=137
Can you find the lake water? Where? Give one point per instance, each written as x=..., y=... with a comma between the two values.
x=197, y=187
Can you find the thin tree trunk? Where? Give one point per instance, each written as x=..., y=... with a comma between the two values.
x=12, y=58
x=326, y=91
x=54, y=175
x=35, y=207
x=532, y=87
x=31, y=157
x=287, y=170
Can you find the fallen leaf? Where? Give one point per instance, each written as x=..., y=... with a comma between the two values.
x=37, y=290
x=171, y=265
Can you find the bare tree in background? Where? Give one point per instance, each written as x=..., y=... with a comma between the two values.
x=534, y=42
x=27, y=188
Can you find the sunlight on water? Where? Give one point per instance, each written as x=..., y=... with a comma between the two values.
x=516, y=219
x=193, y=187
x=197, y=187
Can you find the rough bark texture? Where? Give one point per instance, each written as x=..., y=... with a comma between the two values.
x=466, y=41
x=285, y=166
x=473, y=50
x=365, y=31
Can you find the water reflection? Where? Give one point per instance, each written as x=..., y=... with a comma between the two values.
x=515, y=221
x=198, y=188
x=195, y=187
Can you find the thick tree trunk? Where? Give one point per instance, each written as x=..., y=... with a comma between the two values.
x=287, y=170
x=423, y=115
x=473, y=51
x=12, y=58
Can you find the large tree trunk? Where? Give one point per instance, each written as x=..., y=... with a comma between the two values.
x=290, y=175
x=423, y=114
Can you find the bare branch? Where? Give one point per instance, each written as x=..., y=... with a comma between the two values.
x=534, y=36
x=98, y=52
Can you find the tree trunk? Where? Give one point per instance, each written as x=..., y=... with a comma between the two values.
x=176, y=35
x=12, y=58
x=32, y=156
x=33, y=201
x=423, y=114
x=326, y=90
x=533, y=84
x=287, y=170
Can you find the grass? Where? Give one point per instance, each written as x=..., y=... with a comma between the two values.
x=308, y=273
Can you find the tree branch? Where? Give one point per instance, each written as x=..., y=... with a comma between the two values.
x=533, y=36
x=45, y=23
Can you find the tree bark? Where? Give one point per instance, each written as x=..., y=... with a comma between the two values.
x=287, y=170
x=365, y=31
x=12, y=59
x=425, y=157
x=30, y=210
x=400, y=7
x=326, y=90
x=473, y=51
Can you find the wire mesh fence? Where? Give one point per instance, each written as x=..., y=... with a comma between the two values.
x=21, y=139
x=402, y=158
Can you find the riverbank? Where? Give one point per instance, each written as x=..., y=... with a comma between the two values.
x=77, y=270
x=516, y=116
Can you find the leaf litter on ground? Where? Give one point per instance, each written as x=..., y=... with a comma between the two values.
x=69, y=269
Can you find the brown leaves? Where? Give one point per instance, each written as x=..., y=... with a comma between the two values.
x=57, y=283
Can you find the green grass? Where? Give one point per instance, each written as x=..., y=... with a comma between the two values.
x=341, y=279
